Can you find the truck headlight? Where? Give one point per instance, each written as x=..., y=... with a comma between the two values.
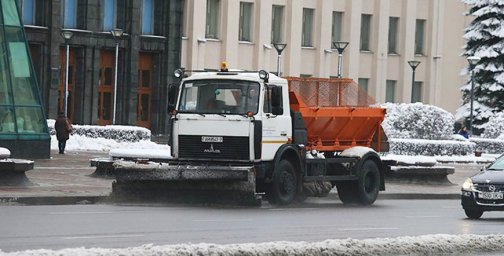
x=468, y=185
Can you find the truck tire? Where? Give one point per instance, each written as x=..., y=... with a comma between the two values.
x=473, y=214
x=283, y=187
x=365, y=190
x=369, y=182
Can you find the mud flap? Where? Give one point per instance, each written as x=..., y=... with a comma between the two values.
x=185, y=183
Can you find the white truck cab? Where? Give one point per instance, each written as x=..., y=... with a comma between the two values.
x=229, y=116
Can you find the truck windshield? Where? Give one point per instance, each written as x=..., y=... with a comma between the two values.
x=219, y=97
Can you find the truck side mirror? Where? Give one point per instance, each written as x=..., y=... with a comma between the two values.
x=276, y=100
x=172, y=97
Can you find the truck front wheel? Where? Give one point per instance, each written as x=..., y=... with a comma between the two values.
x=283, y=188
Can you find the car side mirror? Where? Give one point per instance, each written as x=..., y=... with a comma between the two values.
x=172, y=97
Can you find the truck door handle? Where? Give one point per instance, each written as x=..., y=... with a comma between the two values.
x=283, y=134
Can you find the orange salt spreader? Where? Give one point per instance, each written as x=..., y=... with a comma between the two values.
x=337, y=113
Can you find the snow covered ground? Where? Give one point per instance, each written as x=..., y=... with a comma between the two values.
x=421, y=245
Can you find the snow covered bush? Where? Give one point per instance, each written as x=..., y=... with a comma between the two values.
x=489, y=146
x=415, y=147
x=417, y=121
x=115, y=132
x=494, y=129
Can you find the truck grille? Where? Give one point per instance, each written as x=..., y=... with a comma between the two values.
x=232, y=148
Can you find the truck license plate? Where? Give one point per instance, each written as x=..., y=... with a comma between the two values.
x=491, y=195
x=212, y=139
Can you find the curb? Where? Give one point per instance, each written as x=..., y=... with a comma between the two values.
x=418, y=196
x=75, y=200
x=53, y=200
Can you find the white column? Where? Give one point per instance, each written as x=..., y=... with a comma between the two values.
x=262, y=35
x=323, y=19
x=379, y=73
x=291, y=57
x=407, y=28
x=230, y=20
x=352, y=52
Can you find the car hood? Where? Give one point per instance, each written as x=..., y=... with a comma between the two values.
x=494, y=177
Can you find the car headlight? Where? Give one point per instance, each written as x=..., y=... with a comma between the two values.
x=468, y=185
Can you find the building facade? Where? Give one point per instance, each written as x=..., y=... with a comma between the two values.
x=148, y=52
x=383, y=36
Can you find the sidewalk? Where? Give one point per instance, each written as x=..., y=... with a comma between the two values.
x=66, y=179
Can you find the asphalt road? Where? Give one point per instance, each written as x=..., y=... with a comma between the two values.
x=119, y=226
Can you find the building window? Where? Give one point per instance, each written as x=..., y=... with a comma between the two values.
x=70, y=14
x=27, y=10
x=147, y=17
x=390, y=91
x=416, y=92
x=337, y=25
x=362, y=94
x=109, y=15
x=392, y=34
x=245, y=22
x=276, y=24
x=419, y=37
x=365, y=32
x=307, y=27
x=212, y=19
x=184, y=19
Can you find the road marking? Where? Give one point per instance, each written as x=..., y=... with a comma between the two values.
x=63, y=168
x=227, y=220
x=423, y=216
x=95, y=237
x=365, y=229
x=72, y=213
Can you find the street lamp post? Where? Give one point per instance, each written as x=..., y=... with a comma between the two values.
x=413, y=64
x=340, y=47
x=116, y=33
x=473, y=60
x=279, y=48
x=67, y=35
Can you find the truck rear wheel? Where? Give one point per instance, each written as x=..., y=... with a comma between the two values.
x=369, y=183
x=283, y=188
x=365, y=190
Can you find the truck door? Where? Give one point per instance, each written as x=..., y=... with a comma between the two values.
x=276, y=126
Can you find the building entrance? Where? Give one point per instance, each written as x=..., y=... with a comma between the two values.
x=144, y=90
x=106, y=87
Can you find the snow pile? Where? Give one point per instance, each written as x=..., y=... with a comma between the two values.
x=115, y=132
x=408, y=245
x=84, y=143
x=417, y=121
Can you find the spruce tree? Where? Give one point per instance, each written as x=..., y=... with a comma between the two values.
x=485, y=39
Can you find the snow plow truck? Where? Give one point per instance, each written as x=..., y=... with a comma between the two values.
x=240, y=136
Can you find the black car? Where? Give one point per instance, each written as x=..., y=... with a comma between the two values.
x=484, y=191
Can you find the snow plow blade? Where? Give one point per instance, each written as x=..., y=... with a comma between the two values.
x=185, y=183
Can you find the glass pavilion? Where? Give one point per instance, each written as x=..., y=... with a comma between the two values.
x=23, y=124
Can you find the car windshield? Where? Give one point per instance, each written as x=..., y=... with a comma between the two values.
x=219, y=97
x=498, y=164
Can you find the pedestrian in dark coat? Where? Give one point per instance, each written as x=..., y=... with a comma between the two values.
x=63, y=129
